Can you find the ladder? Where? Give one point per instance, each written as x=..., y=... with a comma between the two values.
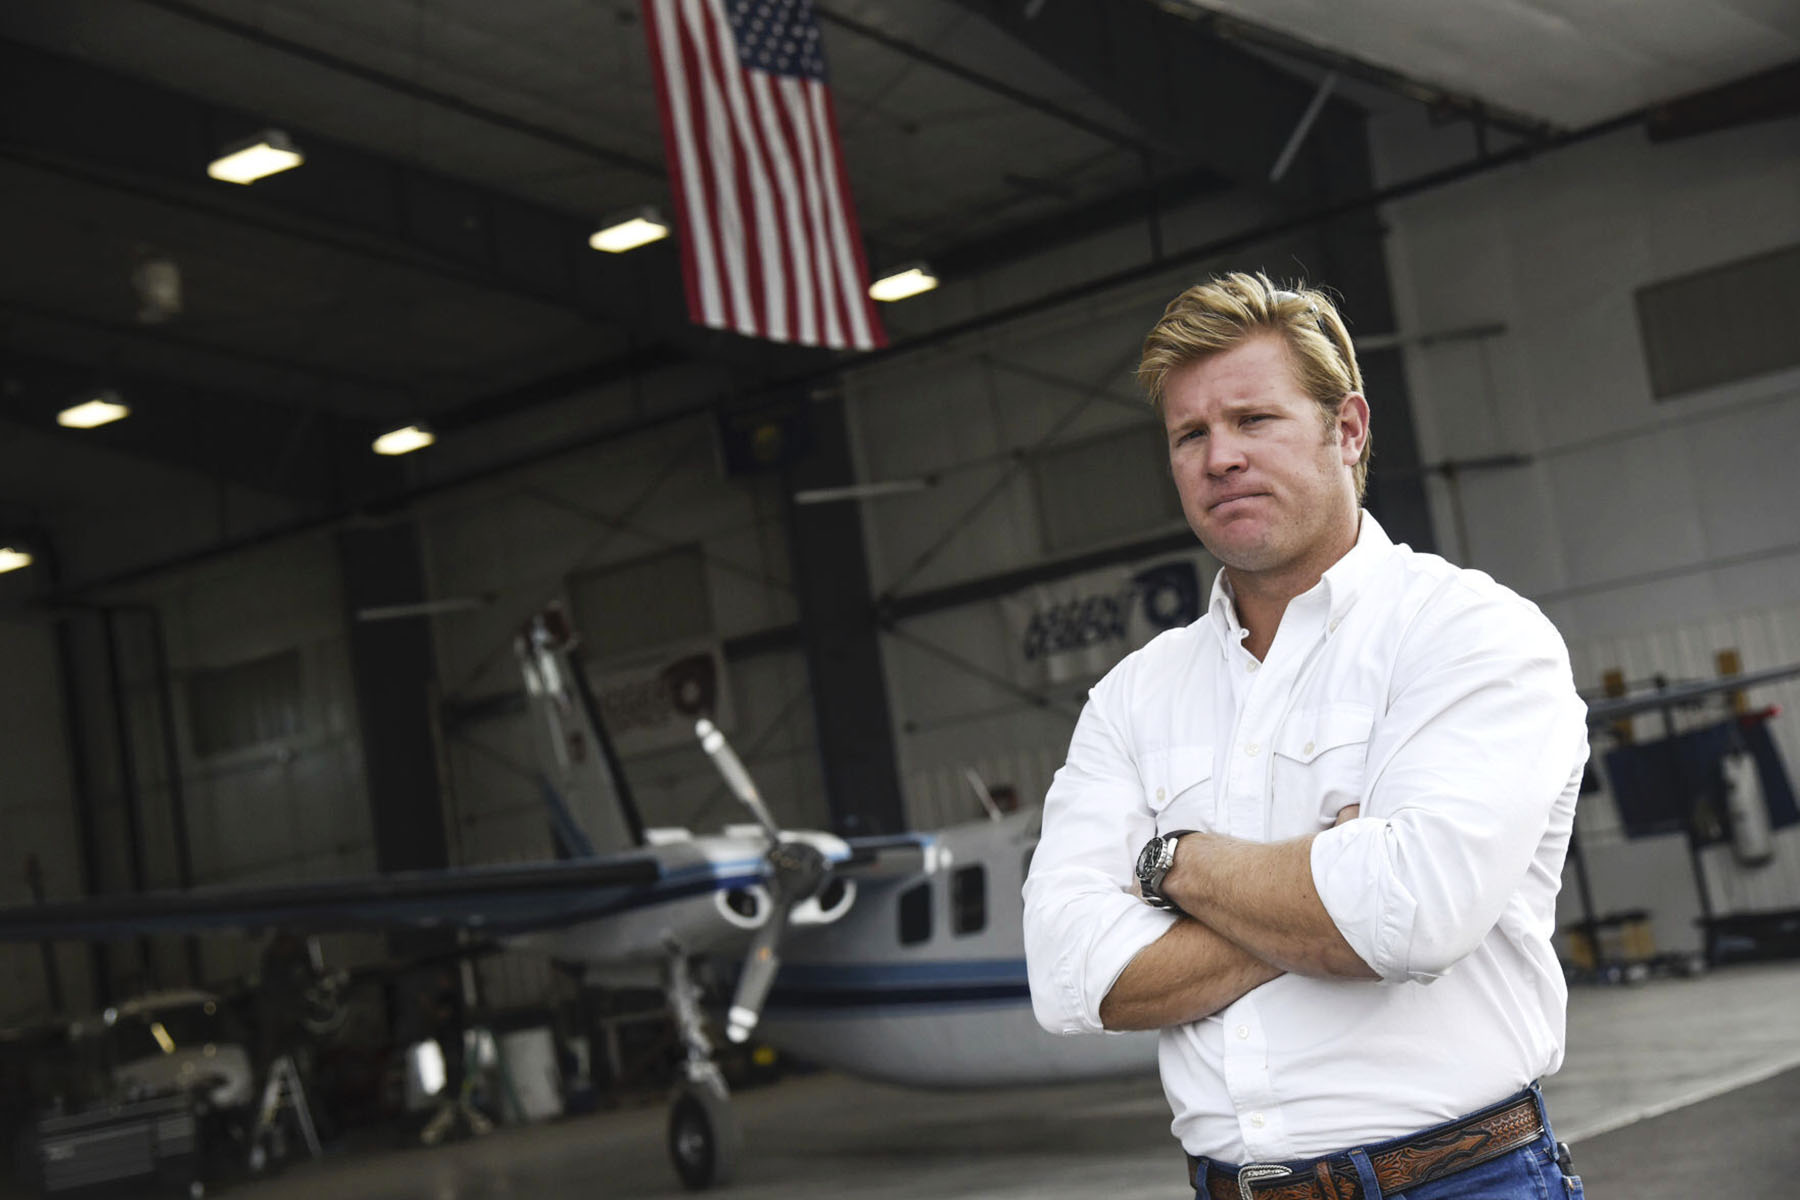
x=283, y=1090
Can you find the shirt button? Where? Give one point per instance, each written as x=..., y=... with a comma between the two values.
x=1251, y=749
x=1306, y=749
x=1159, y=793
x=1243, y=1032
x=1252, y=665
x=1258, y=1120
x=1331, y=628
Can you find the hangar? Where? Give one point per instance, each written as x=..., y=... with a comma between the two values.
x=247, y=650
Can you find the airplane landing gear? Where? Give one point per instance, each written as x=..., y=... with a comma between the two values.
x=703, y=1130
x=703, y=1137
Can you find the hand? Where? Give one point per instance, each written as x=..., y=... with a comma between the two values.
x=1347, y=813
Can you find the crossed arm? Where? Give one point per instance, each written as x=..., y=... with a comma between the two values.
x=1253, y=914
x=1470, y=770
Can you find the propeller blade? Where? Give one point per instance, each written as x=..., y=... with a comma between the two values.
x=736, y=778
x=760, y=969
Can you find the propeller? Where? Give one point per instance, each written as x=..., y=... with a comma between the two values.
x=736, y=777
x=797, y=871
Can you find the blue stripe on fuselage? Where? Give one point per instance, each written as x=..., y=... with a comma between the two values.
x=909, y=986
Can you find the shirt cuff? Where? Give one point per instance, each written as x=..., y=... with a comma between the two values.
x=1116, y=943
x=1365, y=899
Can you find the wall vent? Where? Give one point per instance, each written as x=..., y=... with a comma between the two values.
x=1723, y=324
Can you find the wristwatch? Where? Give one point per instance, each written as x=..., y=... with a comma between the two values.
x=1153, y=863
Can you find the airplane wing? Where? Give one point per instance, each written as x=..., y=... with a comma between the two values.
x=890, y=856
x=1681, y=695
x=493, y=899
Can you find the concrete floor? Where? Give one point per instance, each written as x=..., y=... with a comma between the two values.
x=1742, y=1143
x=1667, y=1083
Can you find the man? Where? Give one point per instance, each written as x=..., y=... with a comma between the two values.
x=1316, y=837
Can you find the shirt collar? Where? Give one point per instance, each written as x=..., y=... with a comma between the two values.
x=1342, y=582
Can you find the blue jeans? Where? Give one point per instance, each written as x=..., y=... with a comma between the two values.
x=1528, y=1173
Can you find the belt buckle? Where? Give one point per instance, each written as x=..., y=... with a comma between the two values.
x=1250, y=1173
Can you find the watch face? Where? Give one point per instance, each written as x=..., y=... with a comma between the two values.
x=1147, y=857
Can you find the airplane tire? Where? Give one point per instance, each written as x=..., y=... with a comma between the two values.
x=703, y=1138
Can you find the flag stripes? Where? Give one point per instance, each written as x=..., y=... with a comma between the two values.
x=769, y=241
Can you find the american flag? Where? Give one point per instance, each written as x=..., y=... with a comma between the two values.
x=769, y=241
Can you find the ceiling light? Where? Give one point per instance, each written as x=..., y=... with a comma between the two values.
x=265, y=154
x=12, y=560
x=864, y=491
x=907, y=281
x=426, y=608
x=404, y=441
x=99, y=409
x=630, y=230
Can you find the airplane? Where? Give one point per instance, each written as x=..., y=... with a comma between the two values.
x=905, y=952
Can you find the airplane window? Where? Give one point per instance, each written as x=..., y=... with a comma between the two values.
x=968, y=900
x=915, y=914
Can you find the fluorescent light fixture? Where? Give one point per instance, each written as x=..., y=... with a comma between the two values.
x=907, y=281
x=427, y=1063
x=13, y=560
x=404, y=441
x=628, y=231
x=101, y=408
x=267, y=153
x=863, y=491
x=425, y=608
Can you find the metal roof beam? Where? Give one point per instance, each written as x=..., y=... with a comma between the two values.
x=1215, y=104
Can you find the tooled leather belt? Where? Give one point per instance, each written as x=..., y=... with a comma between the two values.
x=1398, y=1165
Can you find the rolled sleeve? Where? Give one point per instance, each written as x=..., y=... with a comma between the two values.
x=1483, y=731
x=1082, y=924
x=1077, y=943
x=1366, y=898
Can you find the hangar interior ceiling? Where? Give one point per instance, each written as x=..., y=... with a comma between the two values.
x=430, y=260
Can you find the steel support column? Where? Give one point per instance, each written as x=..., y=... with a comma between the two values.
x=837, y=627
x=393, y=668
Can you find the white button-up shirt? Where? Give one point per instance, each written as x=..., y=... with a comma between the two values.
x=1442, y=703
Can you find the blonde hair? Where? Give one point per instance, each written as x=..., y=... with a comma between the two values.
x=1228, y=310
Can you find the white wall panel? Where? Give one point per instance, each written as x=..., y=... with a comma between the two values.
x=944, y=795
x=1628, y=506
x=963, y=418
x=1747, y=460
x=296, y=808
x=1507, y=513
x=1633, y=514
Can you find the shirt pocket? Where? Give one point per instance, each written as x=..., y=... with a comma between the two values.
x=1178, y=788
x=1321, y=758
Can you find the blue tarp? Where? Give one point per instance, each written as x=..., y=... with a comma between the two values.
x=1659, y=785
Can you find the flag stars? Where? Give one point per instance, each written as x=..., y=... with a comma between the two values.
x=777, y=36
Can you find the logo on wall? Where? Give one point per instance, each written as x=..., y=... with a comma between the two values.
x=1079, y=627
x=652, y=705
